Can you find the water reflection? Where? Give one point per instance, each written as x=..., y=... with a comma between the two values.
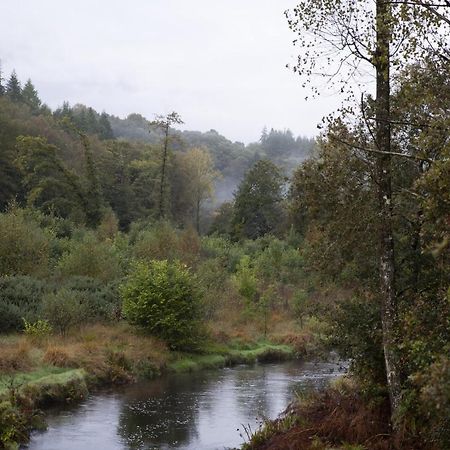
x=189, y=411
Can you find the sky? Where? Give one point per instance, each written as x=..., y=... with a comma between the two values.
x=221, y=64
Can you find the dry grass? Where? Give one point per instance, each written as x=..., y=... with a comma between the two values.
x=15, y=356
x=339, y=418
x=110, y=353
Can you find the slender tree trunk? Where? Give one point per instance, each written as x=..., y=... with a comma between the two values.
x=163, y=173
x=384, y=180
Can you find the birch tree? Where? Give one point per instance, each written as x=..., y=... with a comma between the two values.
x=346, y=43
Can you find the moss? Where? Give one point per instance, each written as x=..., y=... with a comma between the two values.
x=194, y=363
x=226, y=356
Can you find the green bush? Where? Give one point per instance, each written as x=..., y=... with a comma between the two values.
x=63, y=310
x=23, y=245
x=100, y=301
x=215, y=285
x=38, y=329
x=91, y=258
x=20, y=297
x=161, y=299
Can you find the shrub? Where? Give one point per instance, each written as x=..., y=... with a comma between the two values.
x=164, y=242
x=100, y=301
x=214, y=283
x=20, y=297
x=161, y=298
x=38, y=329
x=246, y=280
x=63, y=310
x=91, y=258
x=23, y=245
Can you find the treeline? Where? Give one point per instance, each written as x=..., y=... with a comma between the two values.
x=76, y=163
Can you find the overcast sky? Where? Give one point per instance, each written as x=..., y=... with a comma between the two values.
x=220, y=63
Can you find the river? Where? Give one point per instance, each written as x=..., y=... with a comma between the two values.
x=204, y=410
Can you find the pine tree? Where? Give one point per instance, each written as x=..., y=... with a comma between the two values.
x=91, y=121
x=105, y=130
x=30, y=96
x=13, y=88
x=2, y=88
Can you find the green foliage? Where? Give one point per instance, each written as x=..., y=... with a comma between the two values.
x=13, y=88
x=90, y=258
x=161, y=298
x=301, y=305
x=20, y=298
x=246, y=280
x=62, y=310
x=24, y=246
x=37, y=330
x=357, y=335
x=162, y=241
x=258, y=202
x=46, y=182
x=99, y=301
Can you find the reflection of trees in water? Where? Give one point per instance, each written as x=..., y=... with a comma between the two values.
x=164, y=412
x=174, y=411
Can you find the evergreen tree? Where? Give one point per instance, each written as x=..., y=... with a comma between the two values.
x=91, y=121
x=2, y=88
x=46, y=183
x=13, y=88
x=30, y=96
x=105, y=130
x=258, y=201
x=64, y=111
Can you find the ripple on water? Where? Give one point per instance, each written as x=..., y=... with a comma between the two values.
x=203, y=410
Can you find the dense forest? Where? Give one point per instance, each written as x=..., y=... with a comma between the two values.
x=120, y=157
x=127, y=244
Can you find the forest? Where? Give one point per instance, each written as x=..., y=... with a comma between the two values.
x=130, y=248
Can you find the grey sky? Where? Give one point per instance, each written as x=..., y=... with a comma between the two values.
x=219, y=63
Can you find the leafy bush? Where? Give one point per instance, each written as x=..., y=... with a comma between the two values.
x=38, y=329
x=23, y=245
x=357, y=336
x=214, y=282
x=91, y=258
x=246, y=280
x=100, y=301
x=63, y=310
x=164, y=242
x=161, y=298
x=20, y=297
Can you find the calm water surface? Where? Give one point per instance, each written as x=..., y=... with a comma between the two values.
x=196, y=411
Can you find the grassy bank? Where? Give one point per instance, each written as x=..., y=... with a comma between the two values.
x=342, y=417
x=36, y=372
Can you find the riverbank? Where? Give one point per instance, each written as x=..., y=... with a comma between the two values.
x=344, y=416
x=36, y=373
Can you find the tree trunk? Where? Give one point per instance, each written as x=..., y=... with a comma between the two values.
x=384, y=181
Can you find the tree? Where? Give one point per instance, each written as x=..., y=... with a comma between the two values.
x=2, y=88
x=383, y=37
x=258, y=201
x=199, y=177
x=162, y=299
x=105, y=130
x=46, y=183
x=93, y=201
x=13, y=88
x=164, y=123
x=30, y=96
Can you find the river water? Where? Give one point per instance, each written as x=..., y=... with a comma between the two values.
x=206, y=410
